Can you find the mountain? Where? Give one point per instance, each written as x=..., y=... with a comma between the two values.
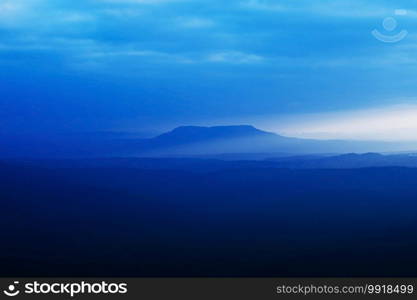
x=207, y=165
x=231, y=142
x=242, y=142
x=192, y=134
x=196, y=140
x=346, y=161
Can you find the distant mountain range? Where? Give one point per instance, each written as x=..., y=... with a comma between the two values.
x=207, y=165
x=187, y=134
x=224, y=142
x=241, y=140
x=346, y=161
x=195, y=140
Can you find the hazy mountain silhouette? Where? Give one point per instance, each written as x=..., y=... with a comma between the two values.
x=244, y=139
x=347, y=161
x=197, y=140
x=204, y=165
x=230, y=142
x=190, y=134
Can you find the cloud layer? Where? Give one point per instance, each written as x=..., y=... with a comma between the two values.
x=181, y=61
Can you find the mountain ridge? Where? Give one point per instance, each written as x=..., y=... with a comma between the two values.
x=238, y=139
x=188, y=141
x=215, y=132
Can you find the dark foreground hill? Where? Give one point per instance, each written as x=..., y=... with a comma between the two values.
x=248, y=221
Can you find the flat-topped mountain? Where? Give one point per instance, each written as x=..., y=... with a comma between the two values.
x=244, y=139
x=215, y=131
x=192, y=134
x=230, y=142
x=195, y=140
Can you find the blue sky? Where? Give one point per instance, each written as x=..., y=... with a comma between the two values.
x=149, y=65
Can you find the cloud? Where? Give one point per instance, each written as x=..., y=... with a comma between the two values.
x=210, y=32
x=146, y=54
x=122, y=12
x=194, y=22
x=29, y=16
x=390, y=123
x=8, y=8
x=318, y=54
x=329, y=8
x=75, y=17
x=263, y=5
x=231, y=57
x=234, y=57
x=13, y=12
x=149, y=2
